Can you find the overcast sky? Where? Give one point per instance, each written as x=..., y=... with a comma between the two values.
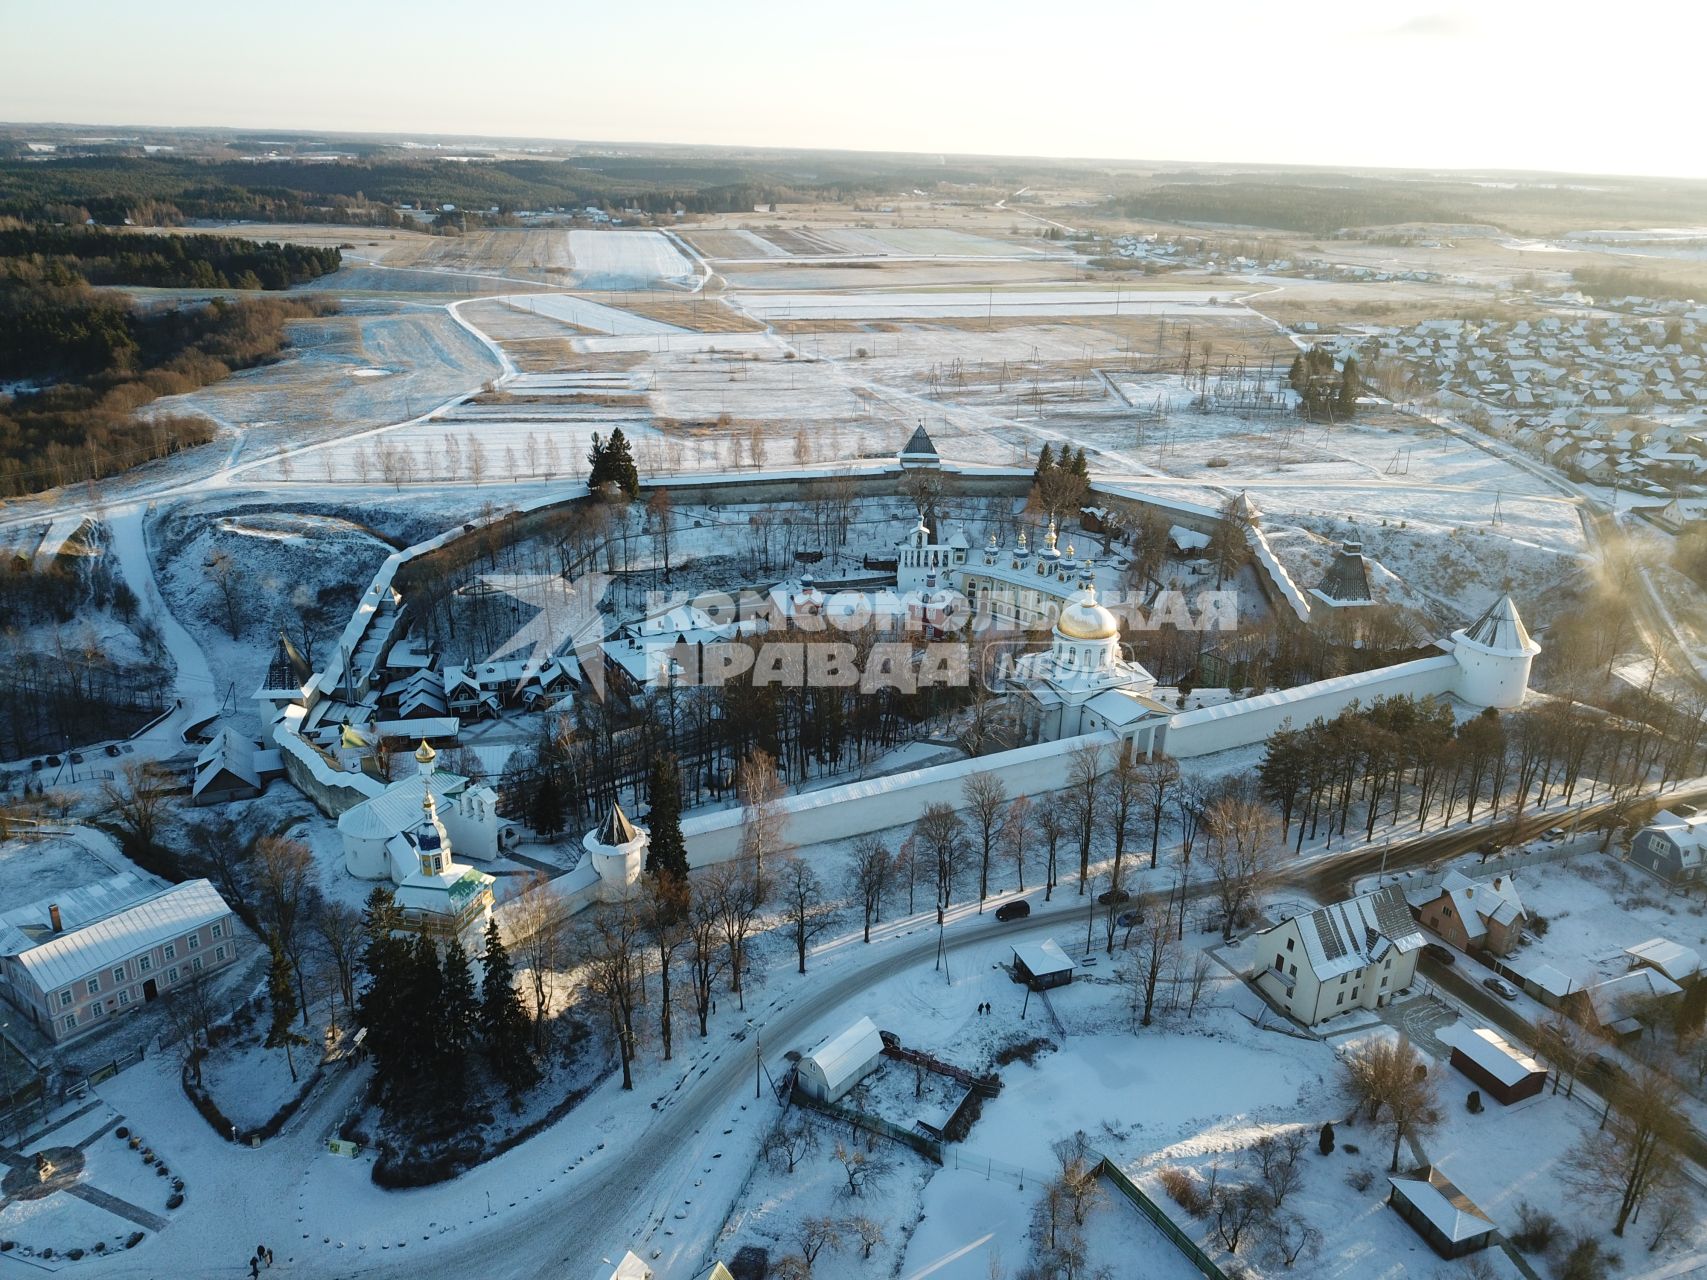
x=1495, y=84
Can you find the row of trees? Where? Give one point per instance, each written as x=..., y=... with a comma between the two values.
x=62, y=255
x=1324, y=392
x=1401, y=752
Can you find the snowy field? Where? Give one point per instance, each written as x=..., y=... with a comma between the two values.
x=35, y=869
x=627, y=260
x=585, y=314
x=854, y=305
x=860, y=242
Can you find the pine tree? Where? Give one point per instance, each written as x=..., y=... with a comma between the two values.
x=668, y=852
x=460, y=1021
x=422, y=1020
x=281, y=994
x=610, y=462
x=503, y=1021
x=384, y=1003
x=1079, y=466
x=1351, y=386
x=1045, y=462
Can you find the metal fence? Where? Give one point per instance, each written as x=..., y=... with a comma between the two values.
x=1158, y=1218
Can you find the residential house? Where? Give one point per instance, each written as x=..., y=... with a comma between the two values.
x=1356, y=954
x=1475, y=915
x=1621, y=1008
x=1673, y=846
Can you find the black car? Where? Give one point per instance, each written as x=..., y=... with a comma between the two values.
x=1013, y=910
x=1113, y=895
x=1441, y=952
x=112, y=748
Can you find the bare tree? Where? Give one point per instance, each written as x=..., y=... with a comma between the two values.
x=285, y=877
x=228, y=579
x=869, y=1231
x=1237, y=1210
x=940, y=837
x=664, y=919
x=762, y=825
x=812, y=1236
x=1158, y=785
x=1122, y=791
x=139, y=798
x=863, y=1169
x=1052, y=827
x=907, y=867
x=1083, y=797
x=1567, y=1046
x=1278, y=1159
x=804, y=906
x=611, y=949
x=537, y=929
x=1391, y=1074
x=338, y=928
x=1079, y=1175
x=705, y=954
x=1244, y=843
x=1635, y=1154
x=867, y=877
x=1156, y=948
x=790, y=1141
x=732, y=889
x=1016, y=836
x=986, y=804
x=1292, y=1237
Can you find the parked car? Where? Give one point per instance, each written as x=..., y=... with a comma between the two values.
x=1504, y=990
x=1441, y=952
x=113, y=749
x=1597, y=1066
x=35, y=766
x=1018, y=910
x=1127, y=919
x=53, y=762
x=1113, y=895
x=76, y=757
x=1553, y=833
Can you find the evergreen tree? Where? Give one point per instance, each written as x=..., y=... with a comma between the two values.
x=1079, y=466
x=668, y=853
x=460, y=1020
x=281, y=994
x=384, y=1002
x=611, y=462
x=1045, y=462
x=1351, y=386
x=503, y=1021
x=422, y=1019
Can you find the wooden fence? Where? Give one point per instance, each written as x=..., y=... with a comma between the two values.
x=1158, y=1218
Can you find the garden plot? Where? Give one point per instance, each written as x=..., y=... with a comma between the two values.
x=627, y=260
x=1595, y=906
x=1010, y=302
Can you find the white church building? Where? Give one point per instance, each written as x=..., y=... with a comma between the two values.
x=376, y=832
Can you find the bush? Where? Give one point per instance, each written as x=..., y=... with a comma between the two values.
x=1588, y=1259
x=1026, y=1051
x=74, y=1254
x=6, y=1246
x=1473, y=1104
x=1536, y=1229
x=123, y=1131
x=133, y=1239
x=1538, y=925
x=1361, y=1178
x=1349, y=1148
x=1325, y=1142
x=1183, y=1189
x=175, y=1199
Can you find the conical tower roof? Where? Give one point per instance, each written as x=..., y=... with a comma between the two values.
x=1347, y=578
x=1501, y=629
x=617, y=829
x=920, y=444
x=289, y=670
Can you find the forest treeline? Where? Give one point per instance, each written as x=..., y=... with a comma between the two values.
x=60, y=255
x=167, y=191
x=77, y=362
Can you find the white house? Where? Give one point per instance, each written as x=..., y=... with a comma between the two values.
x=1356, y=954
x=841, y=1062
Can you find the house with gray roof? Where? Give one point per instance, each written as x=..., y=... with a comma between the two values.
x=1355, y=954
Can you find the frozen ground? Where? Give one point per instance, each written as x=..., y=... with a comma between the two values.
x=627, y=260
x=854, y=305
x=35, y=869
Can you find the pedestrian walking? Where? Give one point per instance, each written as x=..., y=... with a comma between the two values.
x=268, y=1254
x=254, y=1267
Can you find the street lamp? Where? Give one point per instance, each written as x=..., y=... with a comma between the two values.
x=758, y=1057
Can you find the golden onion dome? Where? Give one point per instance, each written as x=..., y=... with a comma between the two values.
x=1085, y=619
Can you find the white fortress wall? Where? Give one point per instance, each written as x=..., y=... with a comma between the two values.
x=858, y=808
x=1280, y=580
x=1248, y=720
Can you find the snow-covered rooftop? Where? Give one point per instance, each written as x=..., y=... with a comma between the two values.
x=1451, y=1212
x=66, y=957
x=847, y=1052
x=1343, y=937
x=21, y=927
x=1043, y=958
x=1673, y=959
x=1491, y=1052
x=1478, y=901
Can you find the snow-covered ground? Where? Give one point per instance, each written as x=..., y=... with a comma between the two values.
x=627, y=260
x=853, y=305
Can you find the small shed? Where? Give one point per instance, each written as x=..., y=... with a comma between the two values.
x=1679, y=963
x=841, y=1062
x=1042, y=965
x=1440, y=1213
x=1505, y=1073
